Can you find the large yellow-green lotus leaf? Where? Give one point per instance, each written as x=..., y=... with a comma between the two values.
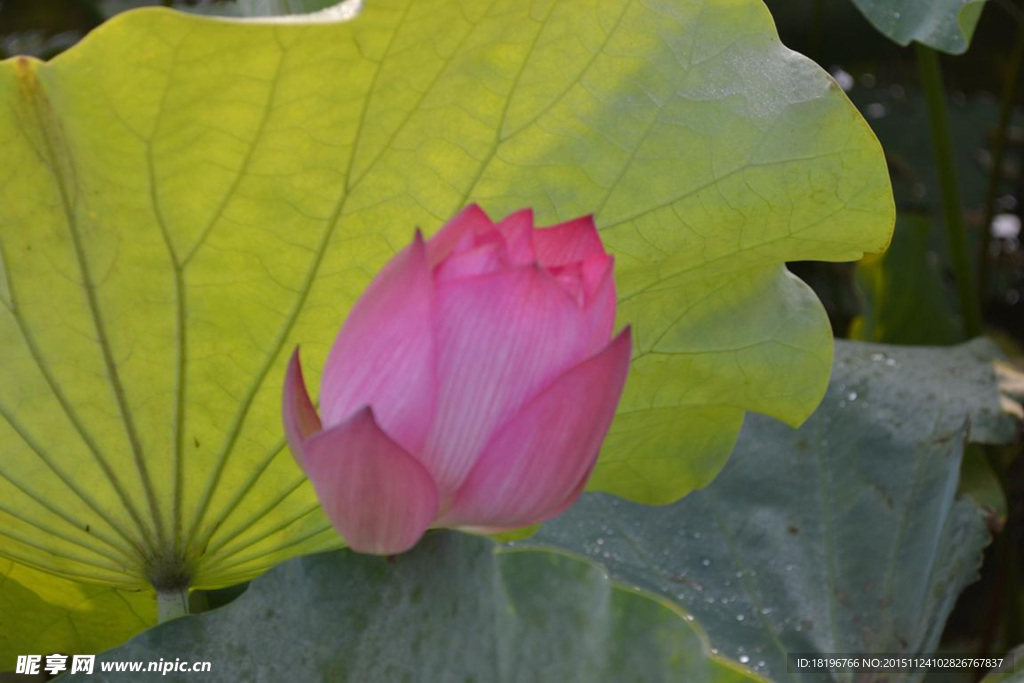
x=44, y=613
x=184, y=199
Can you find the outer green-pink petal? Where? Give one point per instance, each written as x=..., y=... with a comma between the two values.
x=378, y=496
x=537, y=461
x=300, y=418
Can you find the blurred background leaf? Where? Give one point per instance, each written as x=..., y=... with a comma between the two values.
x=905, y=297
x=227, y=8
x=1016, y=675
x=946, y=25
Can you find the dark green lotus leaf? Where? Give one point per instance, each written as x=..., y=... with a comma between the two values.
x=450, y=610
x=946, y=25
x=843, y=536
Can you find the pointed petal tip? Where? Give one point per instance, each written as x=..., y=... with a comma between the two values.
x=473, y=207
x=418, y=247
x=517, y=232
x=568, y=242
x=472, y=212
x=585, y=223
x=300, y=418
x=295, y=363
x=622, y=345
x=457, y=233
x=520, y=214
x=384, y=353
x=294, y=382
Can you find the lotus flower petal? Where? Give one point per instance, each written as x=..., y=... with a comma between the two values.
x=501, y=338
x=384, y=356
x=598, y=274
x=300, y=418
x=471, y=385
x=457, y=232
x=517, y=231
x=480, y=260
x=538, y=460
x=379, y=497
x=569, y=242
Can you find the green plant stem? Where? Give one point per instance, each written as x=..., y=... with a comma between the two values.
x=1001, y=627
x=171, y=604
x=1011, y=84
x=938, y=113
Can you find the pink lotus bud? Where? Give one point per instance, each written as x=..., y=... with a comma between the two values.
x=471, y=386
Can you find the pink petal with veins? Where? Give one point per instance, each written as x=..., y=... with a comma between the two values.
x=501, y=339
x=534, y=464
x=599, y=284
x=517, y=231
x=480, y=260
x=384, y=355
x=458, y=233
x=569, y=242
x=380, y=498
